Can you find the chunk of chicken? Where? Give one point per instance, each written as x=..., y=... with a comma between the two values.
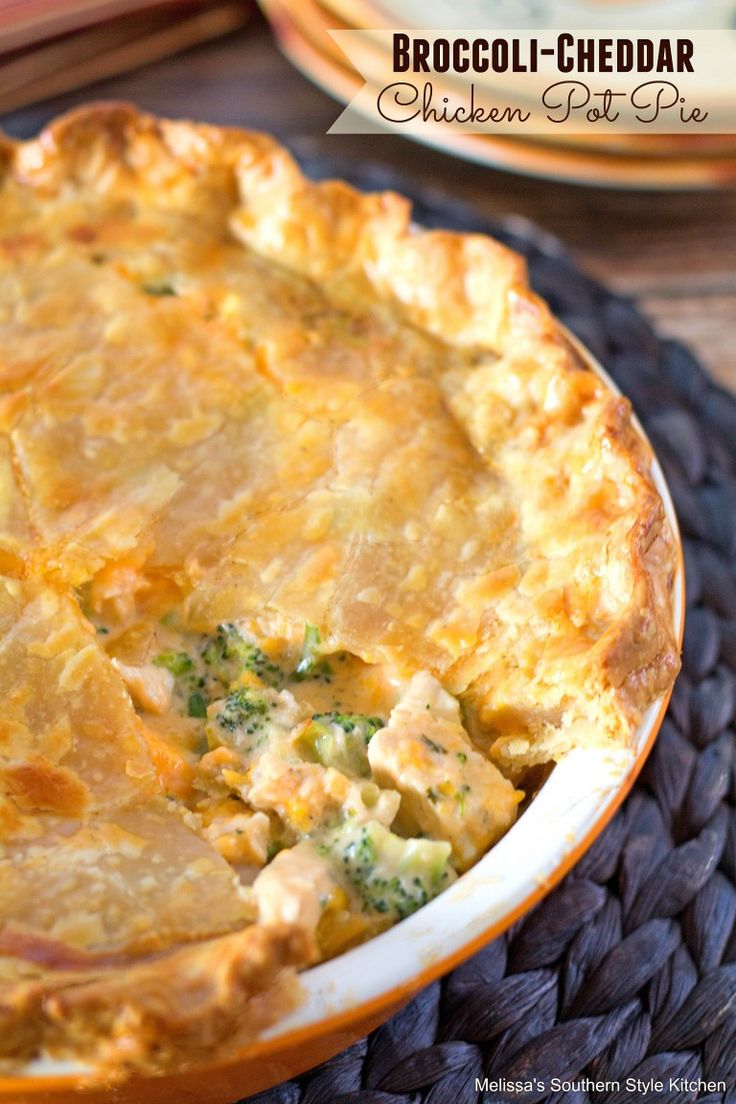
x=294, y=887
x=448, y=790
x=150, y=687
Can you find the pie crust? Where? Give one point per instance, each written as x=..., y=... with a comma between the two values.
x=282, y=398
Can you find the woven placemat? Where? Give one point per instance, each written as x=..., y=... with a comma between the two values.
x=628, y=969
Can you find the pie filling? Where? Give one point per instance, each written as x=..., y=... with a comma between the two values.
x=344, y=795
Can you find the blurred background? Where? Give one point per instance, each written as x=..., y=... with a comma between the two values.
x=655, y=221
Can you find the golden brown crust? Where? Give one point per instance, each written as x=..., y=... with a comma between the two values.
x=439, y=482
x=169, y=1011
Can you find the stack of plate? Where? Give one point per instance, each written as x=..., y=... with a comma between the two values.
x=616, y=160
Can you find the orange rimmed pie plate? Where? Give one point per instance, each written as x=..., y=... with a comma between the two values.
x=350, y=995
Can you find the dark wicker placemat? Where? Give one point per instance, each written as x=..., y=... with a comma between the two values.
x=628, y=969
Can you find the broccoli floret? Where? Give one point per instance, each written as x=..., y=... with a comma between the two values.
x=228, y=654
x=312, y=664
x=240, y=720
x=242, y=709
x=178, y=663
x=394, y=876
x=340, y=740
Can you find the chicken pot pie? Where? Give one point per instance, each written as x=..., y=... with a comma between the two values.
x=317, y=541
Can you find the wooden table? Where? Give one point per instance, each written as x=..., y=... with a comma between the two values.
x=674, y=253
